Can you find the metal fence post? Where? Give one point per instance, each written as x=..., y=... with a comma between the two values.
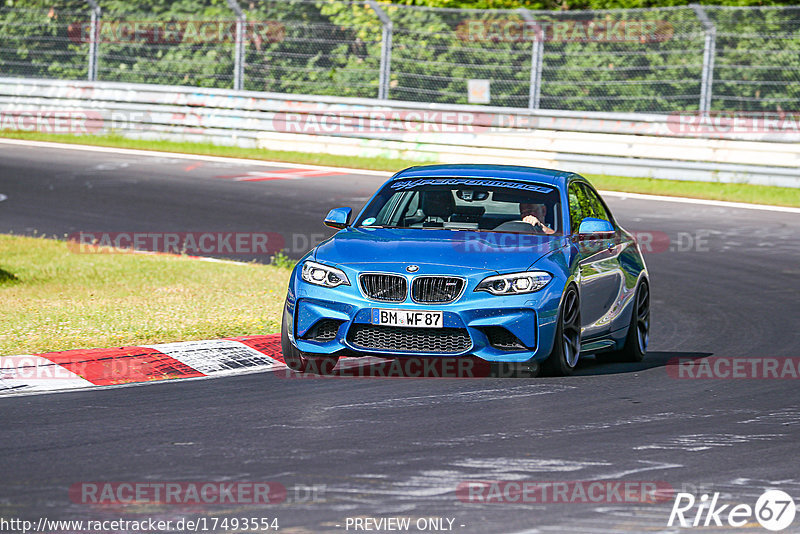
x=386, y=50
x=709, y=52
x=537, y=55
x=238, y=51
x=93, y=30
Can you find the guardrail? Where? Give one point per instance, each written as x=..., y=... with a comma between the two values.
x=759, y=149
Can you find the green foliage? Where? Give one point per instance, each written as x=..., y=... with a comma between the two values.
x=313, y=48
x=280, y=259
x=582, y=4
x=36, y=39
x=323, y=47
x=766, y=40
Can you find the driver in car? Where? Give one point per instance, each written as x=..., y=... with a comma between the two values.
x=534, y=214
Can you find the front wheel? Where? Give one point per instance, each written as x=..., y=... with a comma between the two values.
x=302, y=362
x=567, y=343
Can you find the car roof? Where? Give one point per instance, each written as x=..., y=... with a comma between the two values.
x=510, y=172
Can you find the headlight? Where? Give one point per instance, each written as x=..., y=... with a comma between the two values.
x=323, y=275
x=515, y=284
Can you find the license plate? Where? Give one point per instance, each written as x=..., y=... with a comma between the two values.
x=415, y=318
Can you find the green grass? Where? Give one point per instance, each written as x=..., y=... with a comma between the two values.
x=756, y=194
x=753, y=194
x=54, y=298
x=210, y=149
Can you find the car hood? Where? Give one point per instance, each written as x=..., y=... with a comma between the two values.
x=486, y=251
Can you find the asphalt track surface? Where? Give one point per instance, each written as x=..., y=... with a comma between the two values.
x=726, y=286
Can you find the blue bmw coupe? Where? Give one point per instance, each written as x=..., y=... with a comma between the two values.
x=503, y=263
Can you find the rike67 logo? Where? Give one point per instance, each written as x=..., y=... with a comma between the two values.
x=774, y=510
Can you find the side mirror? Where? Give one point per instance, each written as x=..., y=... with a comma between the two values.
x=591, y=227
x=338, y=217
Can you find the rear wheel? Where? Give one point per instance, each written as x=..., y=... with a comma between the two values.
x=302, y=362
x=638, y=335
x=567, y=344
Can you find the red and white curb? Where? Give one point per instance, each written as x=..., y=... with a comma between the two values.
x=86, y=368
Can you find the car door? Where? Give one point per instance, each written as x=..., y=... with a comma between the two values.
x=601, y=278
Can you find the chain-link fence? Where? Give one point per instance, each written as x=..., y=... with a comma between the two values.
x=757, y=59
x=640, y=60
x=175, y=47
x=633, y=60
x=41, y=43
x=313, y=48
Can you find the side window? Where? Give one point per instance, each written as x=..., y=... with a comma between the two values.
x=578, y=206
x=598, y=209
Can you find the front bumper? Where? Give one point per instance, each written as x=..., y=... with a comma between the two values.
x=343, y=312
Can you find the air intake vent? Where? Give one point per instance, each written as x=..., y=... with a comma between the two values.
x=323, y=330
x=436, y=289
x=407, y=339
x=502, y=339
x=384, y=287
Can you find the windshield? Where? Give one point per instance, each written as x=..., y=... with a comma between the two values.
x=484, y=204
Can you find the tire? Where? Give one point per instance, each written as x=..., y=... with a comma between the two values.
x=567, y=343
x=638, y=336
x=302, y=362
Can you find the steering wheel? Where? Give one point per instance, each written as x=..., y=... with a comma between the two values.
x=518, y=226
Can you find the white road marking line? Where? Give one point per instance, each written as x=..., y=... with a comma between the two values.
x=682, y=200
x=295, y=174
x=263, y=163
x=179, y=155
x=2, y=197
